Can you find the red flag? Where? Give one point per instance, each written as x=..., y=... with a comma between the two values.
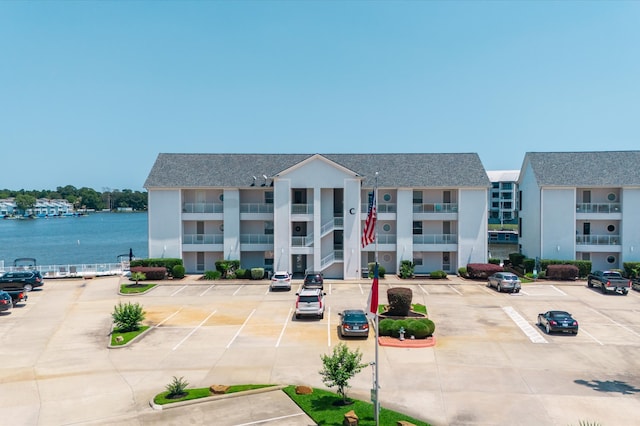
x=368, y=233
x=372, y=308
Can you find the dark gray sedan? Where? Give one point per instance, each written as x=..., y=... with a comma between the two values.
x=6, y=303
x=558, y=321
x=354, y=323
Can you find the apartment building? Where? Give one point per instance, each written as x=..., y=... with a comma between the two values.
x=503, y=197
x=300, y=212
x=580, y=206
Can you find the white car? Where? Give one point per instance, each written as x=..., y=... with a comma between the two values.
x=281, y=280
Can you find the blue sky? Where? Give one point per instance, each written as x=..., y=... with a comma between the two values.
x=91, y=92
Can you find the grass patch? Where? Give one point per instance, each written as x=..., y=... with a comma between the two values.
x=135, y=288
x=126, y=337
x=319, y=405
x=196, y=393
x=416, y=307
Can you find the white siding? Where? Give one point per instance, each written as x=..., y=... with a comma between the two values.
x=558, y=223
x=165, y=227
x=630, y=225
x=530, y=214
x=472, y=227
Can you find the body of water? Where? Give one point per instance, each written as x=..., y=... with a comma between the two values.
x=93, y=238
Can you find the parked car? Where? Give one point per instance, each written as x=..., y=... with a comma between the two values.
x=6, y=302
x=353, y=323
x=313, y=280
x=310, y=302
x=558, y=321
x=281, y=280
x=23, y=279
x=505, y=281
x=609, y=282
x=635, y=284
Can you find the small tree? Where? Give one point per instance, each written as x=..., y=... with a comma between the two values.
x=340, y=367
x=128, y=316
x=138, y=276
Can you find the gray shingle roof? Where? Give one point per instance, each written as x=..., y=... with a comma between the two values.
x=395, y=170
x=593, y=169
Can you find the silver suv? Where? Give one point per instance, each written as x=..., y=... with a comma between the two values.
x=310, y=302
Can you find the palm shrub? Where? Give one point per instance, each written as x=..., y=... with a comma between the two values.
x=177, y=387
x=399, y=301
x=406, y=269
x=138, y=276
x=127, y=316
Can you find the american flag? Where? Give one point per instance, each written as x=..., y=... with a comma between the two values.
x=368, y=234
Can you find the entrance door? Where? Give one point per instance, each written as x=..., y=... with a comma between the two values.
x=299, y=264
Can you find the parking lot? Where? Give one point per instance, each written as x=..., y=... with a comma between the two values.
x=491, y=365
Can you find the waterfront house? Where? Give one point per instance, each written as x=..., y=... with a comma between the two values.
x=300, y=212
x=580, y=206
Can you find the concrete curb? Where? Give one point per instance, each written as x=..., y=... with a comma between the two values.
x=135, y=339
x=214, y=398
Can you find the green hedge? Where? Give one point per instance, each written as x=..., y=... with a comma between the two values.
x=168, y=263
x=418, y=327
x=381, y=270
x=631, y=269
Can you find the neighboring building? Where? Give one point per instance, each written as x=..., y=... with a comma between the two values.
x=503, y=197
x=43, y=207
x=301, y=212
x=581, y=206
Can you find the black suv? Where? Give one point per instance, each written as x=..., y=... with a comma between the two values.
x=24, y=279
x=313, y=280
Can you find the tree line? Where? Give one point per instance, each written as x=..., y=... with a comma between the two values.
x=83, y=198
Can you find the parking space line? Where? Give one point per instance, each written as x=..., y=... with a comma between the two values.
x=527, y=328
x=284, y=326
x=582, y=330
x=179, y=290
x=558, y=290
x=194, y=330
x=615, y=322
x=240, y=329
x=263, y=421
x=205, y=292
x=361, y=290
x=422, y=288
x=491, y=292
x=169, y=317
x=239, y=288
x=454, y=289
x=329, y=328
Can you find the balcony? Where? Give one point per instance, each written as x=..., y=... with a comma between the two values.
x=382, y=208
x=598, y=208
x=203, y=208
x=435, y=208
x=256, y=208
x=302, y=209
x=263, y=239
x=435, y=239
x=598, y=240
x=202, y=239
x=302, y=241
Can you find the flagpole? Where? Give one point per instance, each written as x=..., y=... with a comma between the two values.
x=377, y=382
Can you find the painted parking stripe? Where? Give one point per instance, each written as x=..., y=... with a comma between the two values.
x=209, y=288
x=240, y=329
x=169, y=317
x=527, y=328
x=582, y=330
x=558, y=290
x=454, y=289
x=179, y=290
x=361, y=290
x=615, y=322
x=422, y=288
x=263, y=421
x=194, y=330
x=239, y=288
x=284, y=326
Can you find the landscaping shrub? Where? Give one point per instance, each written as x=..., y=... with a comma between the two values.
x=462, y=271
x=178, y=271
x=418, y=328
x=151, y=272
x=528, y=265
x=516, y=259
x=384, y=326
x=406, y=269
x=257, y=273
x=227, y=268
x=437, y=275
x=177, y=387
x=168, y=263
x=494, y=261
x=212, y=275
x=482, y=270
x=399, y=301
x=381, y=270
x=127, y=316
x=240, y=273
x=562, y=272
x=584, y=266
x=631, y=269
x=397, y=325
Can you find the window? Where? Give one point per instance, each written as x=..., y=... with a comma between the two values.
x=221, y=197
x=268, y=228
x=268, y=197
x=611, y=196
x=446, y=197
x=417, y=197
x=611, y=259
x=386, y=227
x=495, y=185
x=417, y=261
x=507, y=185
x=417, y=228
x=611, y=228
x=386, y=197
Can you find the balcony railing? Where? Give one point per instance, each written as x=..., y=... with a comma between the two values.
x=301, y=208
x=336, y=222
x=435, y=239
x=202, y=239
x=302, y=241
x=598, y=208
x=256, y=208
x=337, y=255
x=203, y=208
x=256, y=239
x=435, y=208
x=382, y=208
x=598, y=240
x=386, y=239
